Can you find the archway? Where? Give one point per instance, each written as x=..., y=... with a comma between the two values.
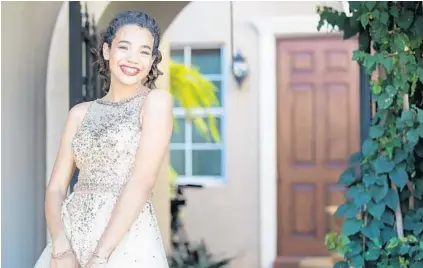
x=57, y=89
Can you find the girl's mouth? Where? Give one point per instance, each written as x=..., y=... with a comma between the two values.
x=129, y=71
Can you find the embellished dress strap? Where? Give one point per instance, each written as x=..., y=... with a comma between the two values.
x=139, y=95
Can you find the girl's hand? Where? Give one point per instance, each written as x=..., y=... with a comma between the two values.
x=67, y=261
x=96, y=262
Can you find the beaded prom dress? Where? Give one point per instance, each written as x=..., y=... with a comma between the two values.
x=104, y=149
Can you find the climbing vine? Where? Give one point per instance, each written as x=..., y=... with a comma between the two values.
x=383, y=211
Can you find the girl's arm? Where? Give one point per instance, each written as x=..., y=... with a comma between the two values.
x=157, y=124
x=60, y=177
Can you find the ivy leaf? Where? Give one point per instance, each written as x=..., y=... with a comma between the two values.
x=369, y=148
x=406, y=116
x=391, y=90
x=420, y=75
x=348, y=177
x=347, y=210
x=384, y=101
x=406, y=19
x=355, y=248
x=413, y=135
x=372, y=254
x=399, y=156
x=370, y=5
x=404, y=249
x=362, y=199
x=341, y=264
x=354, y=191
x=391, y=199
x=370, y=180
x=355, y=158
x=376, y=209
x=394, y=11
x=379, y=192
x=418, y=229
x=357, y=261
x=376, y=14
x=384, y=17
x=398, y=45
x=364, y=19
x=388, y=63
x=376, y=89
x=399, y=176
x=372, y=230
x=418, y=189
x=403, y=58
x=388, y=217
x=419, y=30
x=383, y=164
x=376, y=132
x=351, y=227
x=418, y=264
x=387, y=234
x=408, y=223
x=357, y=55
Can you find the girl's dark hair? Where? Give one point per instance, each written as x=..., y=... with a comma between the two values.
x=130, y=18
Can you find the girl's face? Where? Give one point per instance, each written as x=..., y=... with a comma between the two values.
x=130, y=55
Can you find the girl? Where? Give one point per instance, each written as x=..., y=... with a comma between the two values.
x=118, y=143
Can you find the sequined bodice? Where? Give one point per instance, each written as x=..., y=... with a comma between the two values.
x=104, y=149
x=106, y=143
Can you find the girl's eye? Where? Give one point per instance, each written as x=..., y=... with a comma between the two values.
x=123, y=47
x=145, y=52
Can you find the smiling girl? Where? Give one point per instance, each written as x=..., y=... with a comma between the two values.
x=118, y=143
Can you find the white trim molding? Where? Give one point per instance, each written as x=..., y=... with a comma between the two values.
x=268, y=30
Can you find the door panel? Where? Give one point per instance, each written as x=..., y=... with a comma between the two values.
x=318, y=129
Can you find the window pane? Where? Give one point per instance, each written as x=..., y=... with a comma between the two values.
x=198, y=137
x=177, y=160
x=178, y=55
x=207, y=60
x=178, y=135
x=218, y=85
x=206, y=162
x=176, y=103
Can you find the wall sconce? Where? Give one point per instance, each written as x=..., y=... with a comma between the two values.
x=239, y=68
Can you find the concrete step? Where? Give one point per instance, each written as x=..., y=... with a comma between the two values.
x=316, y=262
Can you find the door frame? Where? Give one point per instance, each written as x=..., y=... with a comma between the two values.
x=270, y=29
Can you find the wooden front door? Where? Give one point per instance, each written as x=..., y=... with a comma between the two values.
x=318, y=129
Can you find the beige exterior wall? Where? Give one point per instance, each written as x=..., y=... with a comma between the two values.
x=24, y=49
x=227, y=215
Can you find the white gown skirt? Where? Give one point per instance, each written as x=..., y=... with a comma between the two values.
x=85, y=216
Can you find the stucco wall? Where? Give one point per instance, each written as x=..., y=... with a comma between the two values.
x=25, y=44
x=227, y=216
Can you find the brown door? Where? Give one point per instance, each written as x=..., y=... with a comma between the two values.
x=318, y=129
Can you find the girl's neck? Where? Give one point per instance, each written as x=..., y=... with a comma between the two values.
x=119, y=92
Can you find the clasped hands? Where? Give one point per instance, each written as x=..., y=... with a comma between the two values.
x=67, y=259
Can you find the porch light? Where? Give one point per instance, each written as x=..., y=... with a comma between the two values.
x=239, y=68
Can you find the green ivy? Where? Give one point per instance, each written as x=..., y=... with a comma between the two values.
x=383, y=211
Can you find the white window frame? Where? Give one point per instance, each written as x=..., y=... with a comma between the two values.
x=179, y=112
